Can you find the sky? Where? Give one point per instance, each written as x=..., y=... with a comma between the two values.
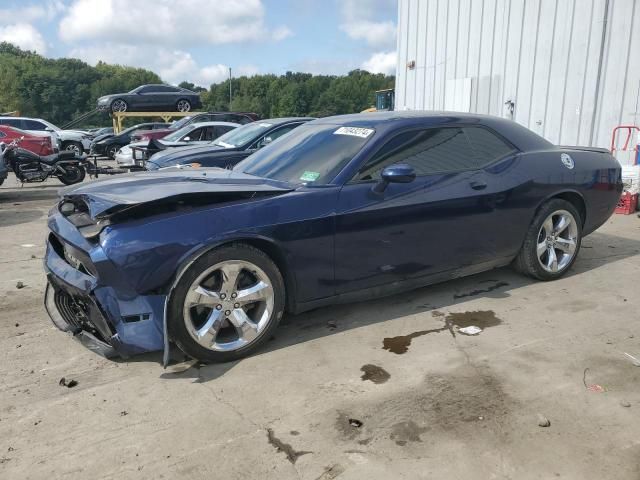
x=198, y=40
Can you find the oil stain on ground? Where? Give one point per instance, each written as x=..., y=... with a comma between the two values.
x=374, y=373
x=481, y=318
x=404, y=432
x=289, y=451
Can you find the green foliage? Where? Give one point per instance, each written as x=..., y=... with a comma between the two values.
x=298, y=94
x=60, y=90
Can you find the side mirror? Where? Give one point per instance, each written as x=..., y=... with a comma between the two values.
x=265, y=141
x=186, y=139
x=48, y=129
x=398, y=173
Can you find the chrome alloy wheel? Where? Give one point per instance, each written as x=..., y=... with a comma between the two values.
x=228, y=306
x=119, y=106
x=557, y=241
x=183, y=106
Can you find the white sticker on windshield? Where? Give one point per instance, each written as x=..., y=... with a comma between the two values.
x=354, y=131
x=265, y=125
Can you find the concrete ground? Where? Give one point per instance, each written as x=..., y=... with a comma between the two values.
x=324, y=399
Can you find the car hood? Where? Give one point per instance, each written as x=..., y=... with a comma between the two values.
x=102, y=137
x=107, y=197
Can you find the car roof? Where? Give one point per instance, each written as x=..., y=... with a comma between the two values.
x=384, y=122
x=213, y=124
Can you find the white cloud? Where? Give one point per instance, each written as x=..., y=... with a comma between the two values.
x=361, y=20
x=23, y=35
x=47, y=11
x=381, y=62
x=376, y=34
x=172, y=65
x=167, y=22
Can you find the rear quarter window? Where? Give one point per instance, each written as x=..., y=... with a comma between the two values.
x=486, y=145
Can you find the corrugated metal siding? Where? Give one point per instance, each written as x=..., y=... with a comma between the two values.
x=544, y=55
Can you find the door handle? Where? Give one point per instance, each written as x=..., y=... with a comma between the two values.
x=478, y=185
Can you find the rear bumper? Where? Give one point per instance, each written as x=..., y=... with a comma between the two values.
x=110, y=319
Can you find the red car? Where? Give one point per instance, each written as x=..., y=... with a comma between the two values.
x=38, y=144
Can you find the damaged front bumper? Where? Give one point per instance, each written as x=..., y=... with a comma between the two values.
x=108, y=321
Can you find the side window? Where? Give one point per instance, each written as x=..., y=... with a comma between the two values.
x=487, y=146
x=33, y=125
x=281, y=131
x=430, y=151
x=165, y=89
x=13, y=122
x=221, y=131
x=195, y=135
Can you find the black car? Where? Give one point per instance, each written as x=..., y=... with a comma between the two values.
x=108, y=145
x=230, y=148
x=159, y=98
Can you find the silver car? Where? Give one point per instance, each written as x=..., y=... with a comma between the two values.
x=193, y=134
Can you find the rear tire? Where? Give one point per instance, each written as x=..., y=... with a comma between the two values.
x=226, y=304
x=73, y=174
x=552, y=242
x=183, y=105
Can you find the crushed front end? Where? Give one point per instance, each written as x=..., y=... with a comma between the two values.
x=89, y=298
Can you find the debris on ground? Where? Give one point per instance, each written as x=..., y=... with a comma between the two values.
x=354, y=422
x=592, y=387
x=124, y=413
x=19, y=285
x=470, y=330
x=635, y=361
x=70, y=384
x=332, y=324
x=543, y=421
x=625, y=404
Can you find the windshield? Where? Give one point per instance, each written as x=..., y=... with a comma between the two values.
x=178, y=134
x=309, y=154
x=242, y=135
x=180, y=123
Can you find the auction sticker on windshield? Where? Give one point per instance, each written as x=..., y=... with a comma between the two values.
x=354, y=131
x=309, y=176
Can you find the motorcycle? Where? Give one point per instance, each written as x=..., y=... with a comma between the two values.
x=29, y=167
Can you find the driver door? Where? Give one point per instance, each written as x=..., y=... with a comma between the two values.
x=433, y=224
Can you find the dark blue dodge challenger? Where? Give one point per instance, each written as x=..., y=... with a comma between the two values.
x=340, y=209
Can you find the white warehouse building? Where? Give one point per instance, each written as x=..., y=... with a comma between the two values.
x=567, y=69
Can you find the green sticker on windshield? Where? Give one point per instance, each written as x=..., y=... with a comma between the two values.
x=309, y=176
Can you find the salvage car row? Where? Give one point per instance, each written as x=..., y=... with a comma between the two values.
x=312, y=213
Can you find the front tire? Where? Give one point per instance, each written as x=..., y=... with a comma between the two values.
x=119, y=105
x=226, y=304
x=75, y=147
x=183, y=106
x=73, y=174
x=111, y=151
x=552, y=241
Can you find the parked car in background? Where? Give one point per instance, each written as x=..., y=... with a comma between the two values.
x=230, y=148
x=100, y=131
x=233, y=117
x=160, y=98
x=38, y=143
x=77, y=141
x=341, y=209
x=135, y=153
x=108, y=145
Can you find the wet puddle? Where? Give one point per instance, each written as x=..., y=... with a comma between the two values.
x=482, y=319
x=404, y=432
x=374, y=373
x=291, y=453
